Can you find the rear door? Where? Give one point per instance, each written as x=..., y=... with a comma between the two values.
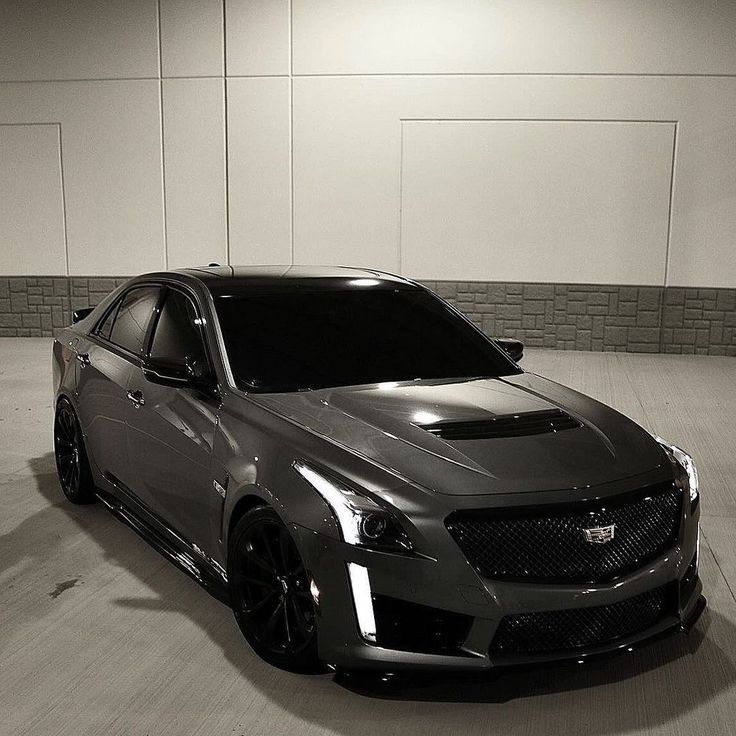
x=170, y=434
x=107, y=360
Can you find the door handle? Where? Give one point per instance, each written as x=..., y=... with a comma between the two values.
x=83, y=359
x=137, y=398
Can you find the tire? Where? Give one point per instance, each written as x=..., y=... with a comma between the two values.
x=72, y=465
x=269, y=591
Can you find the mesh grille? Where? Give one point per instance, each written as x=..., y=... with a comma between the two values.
x=549, y=545
x=505, y=425
x=578, y=628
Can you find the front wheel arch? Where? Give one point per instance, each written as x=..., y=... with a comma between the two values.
x=242, y=506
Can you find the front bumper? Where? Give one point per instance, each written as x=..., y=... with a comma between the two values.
x=449, y=584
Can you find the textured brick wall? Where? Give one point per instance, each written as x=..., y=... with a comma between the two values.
x=699, y=320
x=644, y=319
x=647, y=319
x=36, y=306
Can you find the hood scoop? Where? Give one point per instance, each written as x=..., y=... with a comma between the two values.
x=504, y=425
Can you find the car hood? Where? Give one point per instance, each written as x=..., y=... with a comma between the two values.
x=383, y=422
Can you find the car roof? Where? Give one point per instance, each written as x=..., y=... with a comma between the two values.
x=221, y=279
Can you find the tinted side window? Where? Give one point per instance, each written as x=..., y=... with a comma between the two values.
x=178, y=335
x=104, y=329
x=131, y=323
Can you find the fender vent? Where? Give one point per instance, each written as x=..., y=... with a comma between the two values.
x=505, y=425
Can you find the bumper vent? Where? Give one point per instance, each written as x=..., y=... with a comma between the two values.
x=412, y=627
x=581, y=628
x=505, y=425
x=549, y=544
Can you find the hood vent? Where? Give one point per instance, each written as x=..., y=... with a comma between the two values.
x=505, y=425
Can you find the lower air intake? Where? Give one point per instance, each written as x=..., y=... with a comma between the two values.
x=412, y=627
x=581, y=628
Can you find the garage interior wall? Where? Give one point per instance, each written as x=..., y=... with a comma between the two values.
x=565, y=172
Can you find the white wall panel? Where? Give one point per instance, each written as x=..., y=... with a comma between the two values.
x=347, y=160
x=83, y=39
x=31, y=200
x=362, y=72
x=514, y=36
x=258, y=166
x=534, y=200
x=191, y=38
x=703, y=242
x=111, y=148
x=257, y=37
x=194, y=166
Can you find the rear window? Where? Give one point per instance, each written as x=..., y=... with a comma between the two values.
x=133, y=315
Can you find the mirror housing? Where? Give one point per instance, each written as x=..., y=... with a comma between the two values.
x=513, y=348
x=178, y=374
x=79, y=314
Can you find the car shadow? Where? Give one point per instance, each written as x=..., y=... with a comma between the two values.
x=666, y=679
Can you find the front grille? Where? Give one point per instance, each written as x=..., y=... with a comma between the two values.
x=580, y=628
x=505, y=425
x=549, y=545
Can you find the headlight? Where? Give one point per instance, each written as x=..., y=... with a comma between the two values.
x=362, y=521
x=687, y=465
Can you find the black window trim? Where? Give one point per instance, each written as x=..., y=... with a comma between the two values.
x=135, y=358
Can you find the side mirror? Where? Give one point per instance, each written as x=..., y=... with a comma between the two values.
x=167, y=373
x=513, y=348
x=79, y=314
x=178, y=374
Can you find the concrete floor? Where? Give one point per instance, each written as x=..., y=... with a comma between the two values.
x=100, y=635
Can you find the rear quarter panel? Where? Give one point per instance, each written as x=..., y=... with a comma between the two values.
x=63, y=364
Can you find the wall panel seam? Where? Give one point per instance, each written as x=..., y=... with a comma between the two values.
x=374, y=74
x=401, y=195
x=63, y=201
x=226, y=132
x=291, y=131
x=671, y=204
x=161, y=135
x=537, y=120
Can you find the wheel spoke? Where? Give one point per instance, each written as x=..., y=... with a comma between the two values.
x=267, y=543
x=68, y=474
x=270, y=584
x=257, y=560
x=260, y=604
x=273, y=589
x=64, y=422
x=273, y=619
x=301, y=623
x=63, y=441
x=287, y=627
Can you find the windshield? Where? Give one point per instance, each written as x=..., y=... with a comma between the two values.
x=292, y=339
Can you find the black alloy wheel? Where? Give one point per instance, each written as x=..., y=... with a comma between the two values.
x=71, y=459
x=270, y=592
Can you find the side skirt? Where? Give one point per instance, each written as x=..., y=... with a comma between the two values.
x=198, y=567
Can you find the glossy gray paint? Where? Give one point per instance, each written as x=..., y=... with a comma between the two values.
x=159, y=462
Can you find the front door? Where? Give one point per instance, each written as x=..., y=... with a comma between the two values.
x=171, y=432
